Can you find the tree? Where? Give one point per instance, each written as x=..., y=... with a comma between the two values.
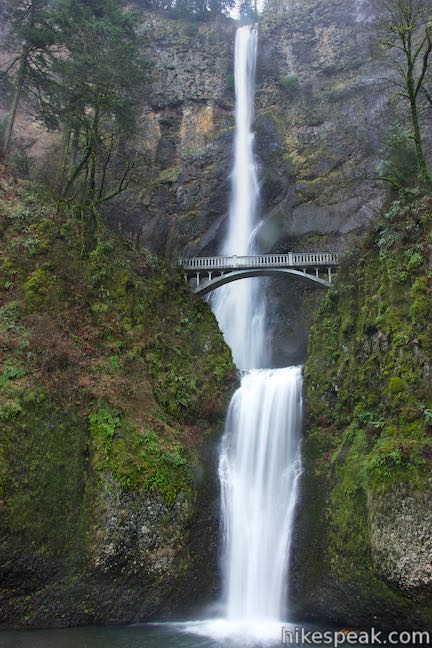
x=199, y=9
x=409, y=34
x=248, y=11
x=96, y=84
x=31, y=38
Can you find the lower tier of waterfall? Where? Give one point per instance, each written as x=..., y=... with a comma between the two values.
x=259, y=469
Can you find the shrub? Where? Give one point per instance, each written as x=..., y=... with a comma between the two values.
x=415, y=261
x=20, y=161
x=290, y=83
x=399, y=163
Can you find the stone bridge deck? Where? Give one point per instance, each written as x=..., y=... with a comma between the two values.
x=208, y=273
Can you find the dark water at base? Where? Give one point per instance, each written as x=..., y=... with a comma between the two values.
x=138, y=636
x=103, y=637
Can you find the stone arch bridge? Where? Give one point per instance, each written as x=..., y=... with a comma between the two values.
x=205, y=274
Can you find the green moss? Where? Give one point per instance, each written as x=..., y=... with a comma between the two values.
x=366, y=389
x=44, y=462
x=41, y=289
x=111, y=376
x=347, y=512
x=396, y=385
x=168, y=176
x=139, y=459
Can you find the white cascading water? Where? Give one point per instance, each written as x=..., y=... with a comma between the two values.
x=259, y=467
x=260, y=458
x=239, y=307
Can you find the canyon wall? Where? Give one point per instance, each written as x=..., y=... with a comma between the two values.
x=321, y=114
x=114, y=383
x=363, y=551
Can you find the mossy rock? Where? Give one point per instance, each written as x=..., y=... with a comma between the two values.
x=113, y=379
x=368, y=386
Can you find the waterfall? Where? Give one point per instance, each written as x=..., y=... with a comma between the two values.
x=239, y=307
x=259, y=466
x=259, y=461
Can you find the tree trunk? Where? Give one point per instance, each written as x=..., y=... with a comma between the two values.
x=75, y=145
x=18, y=86
x=93, y=163
x=422, y=167
x=65, y=157
x=76, y=171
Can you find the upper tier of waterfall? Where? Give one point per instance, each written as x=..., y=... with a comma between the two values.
x=240, y=308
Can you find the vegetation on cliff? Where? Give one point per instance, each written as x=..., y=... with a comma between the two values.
x=111, y=374
x=369, y=395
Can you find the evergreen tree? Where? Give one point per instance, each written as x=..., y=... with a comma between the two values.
x=200, y=9
x=31, y=38
x=248, y=11
x=95, y=94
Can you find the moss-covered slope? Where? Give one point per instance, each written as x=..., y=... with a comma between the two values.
x=111, y=377
x=364, y=547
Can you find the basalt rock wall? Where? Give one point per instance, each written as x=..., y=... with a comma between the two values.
x=321, y=109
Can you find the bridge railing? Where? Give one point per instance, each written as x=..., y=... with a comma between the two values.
x=292, y=259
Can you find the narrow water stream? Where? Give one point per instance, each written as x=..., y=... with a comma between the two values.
x=240, y=307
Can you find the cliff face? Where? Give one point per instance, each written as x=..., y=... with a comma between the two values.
x=321, y=105
x=185, y=134
x=321, y=118
x=321, y=109
x=363, y=542
x=113, y=388
x=319, y=124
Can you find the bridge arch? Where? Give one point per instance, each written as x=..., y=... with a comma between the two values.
x=208, y=273
x=209, y=285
